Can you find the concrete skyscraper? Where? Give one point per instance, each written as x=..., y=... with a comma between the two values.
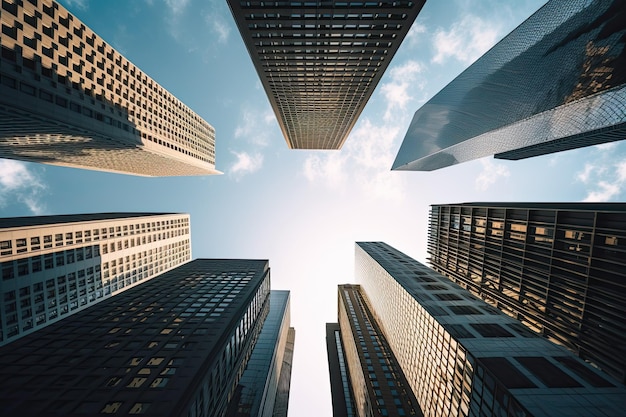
x=556, y=82
x=174, y=346
x=463, y=357
x=68, y=98
x=559, y=268
x=55, y=266
x=320, y=61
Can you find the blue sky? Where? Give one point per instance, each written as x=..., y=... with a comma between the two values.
x=304, y=210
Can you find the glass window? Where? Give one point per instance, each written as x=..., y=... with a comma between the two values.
x=111, y=407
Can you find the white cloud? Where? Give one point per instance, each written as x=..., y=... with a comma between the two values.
x=609, y=146
x=490, y=173
x=174, y=18
x=605, y=192
x=584, y=175
x=466, y=40
x=18, y=183
x=218, y=26
x=415, y=34
x=364, y=161
x=327, y=168
x=246, y=163
x=255, y=125
x=79, y=4
x=604, y=174
x=396, y=91
x=621, y=171
x=176, y=7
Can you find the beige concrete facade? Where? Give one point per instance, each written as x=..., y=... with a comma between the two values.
x=68, y=98
x=54, y=266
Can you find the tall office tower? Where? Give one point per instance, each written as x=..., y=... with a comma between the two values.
x=463, y=357
x=377, y=385
x=267, y=377
x=68, y=98
x=340, y=388
x=556, y=82
x=320, y=61
x=174, y=346
x=55, y=266
x=559, y=268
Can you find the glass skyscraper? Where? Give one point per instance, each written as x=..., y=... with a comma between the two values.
x=559, y=268
x=268, y=372
x=463, y=357
x=371, y=380
x=556, y=82
x=320, y=61
x=55, y=266
x=174, y=346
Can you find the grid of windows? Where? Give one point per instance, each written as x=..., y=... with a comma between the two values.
x=52, y=64
x=558, y=268
x=537, y=91
x=384, y=390
x=176, y=345
x=320, y=61
x=62, y=264
x=488, y=370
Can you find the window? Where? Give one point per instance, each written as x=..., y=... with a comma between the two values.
x=136, y=382
x=139, y=408
x=37, y=264
x=22, y=267
x=48, y=261
x=111, y=408
x=7, y=271
x=5, y=247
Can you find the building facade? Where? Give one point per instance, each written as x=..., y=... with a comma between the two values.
x=267, y=377
x=559, y=268
x=463, y=357
x=55, y=266
x=174, y=346
x=340, y=387
x=556, y=82
x=320, y=61
x=378, y=385
x=68, y=98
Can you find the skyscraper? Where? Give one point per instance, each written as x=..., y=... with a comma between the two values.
x=556, y=82
x=174, y=346
x=55, y=266
x=559, y=268
x=340, y=387
x=463, y=357
x=320, y=61
x=68, y=98
x=267, y=377
x=377, y=386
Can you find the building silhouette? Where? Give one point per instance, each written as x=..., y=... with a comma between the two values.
x=174, y=346
x=377, y=386
x=55, y=266
x=263, y=389
x=559, y=268
x=556, y=82
x=463, y=357
x=320, y=61
x=68, y=98
x=340, y=387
